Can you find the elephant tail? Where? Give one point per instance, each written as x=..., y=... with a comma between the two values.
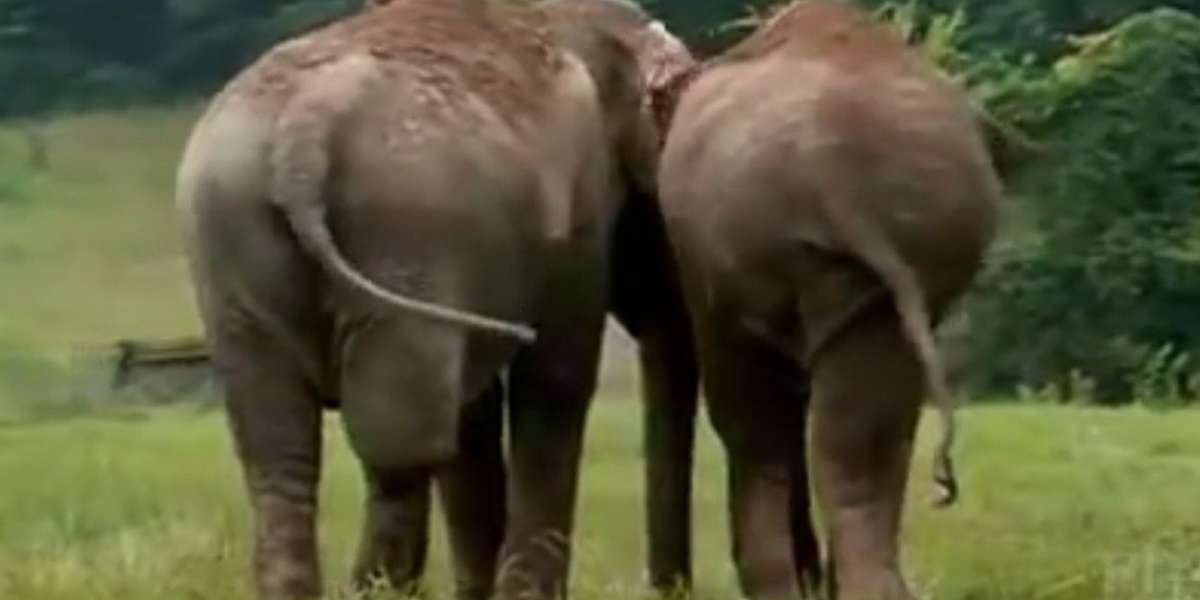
x=300, y=163
x=865, y=240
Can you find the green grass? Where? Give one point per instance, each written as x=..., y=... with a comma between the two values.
x=90, y=251
x=1060, y=503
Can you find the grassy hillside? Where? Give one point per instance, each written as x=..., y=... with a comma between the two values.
x=1059, y=504
x=88, y=247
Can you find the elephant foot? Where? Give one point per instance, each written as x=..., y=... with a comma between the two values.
x=472, y=491
x=536, y=569
x=763, y=544
x=286, y=565
x=395, y=537
x=883, y=585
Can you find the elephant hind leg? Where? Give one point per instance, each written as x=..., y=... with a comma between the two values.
x=670, y=401
x=275, y=418
x=400, y=383
x=551, y=387
x=868, y=385
x=472, y=495
x=395, y=535
x=757, y=396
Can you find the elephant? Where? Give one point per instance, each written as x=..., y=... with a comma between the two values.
x=406, y=215
x=828, y=196
x=645, y=299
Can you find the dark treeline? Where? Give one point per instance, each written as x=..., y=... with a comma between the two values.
x=72, y=53
x=82, y=53
x=1094, y=288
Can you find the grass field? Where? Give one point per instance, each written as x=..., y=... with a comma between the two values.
x=1059, y=504
x=88, y=247
x=130, y=504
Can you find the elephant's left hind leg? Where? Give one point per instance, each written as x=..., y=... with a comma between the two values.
x=275, y=418
x=471, y=491
x=395, y=537
x=867, y=388
x=670, y=382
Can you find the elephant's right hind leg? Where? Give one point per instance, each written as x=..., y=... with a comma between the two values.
x=472, y=493
x=276, y=424
x=395, y=536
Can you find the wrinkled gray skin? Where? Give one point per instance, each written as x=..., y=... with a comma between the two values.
x=828, y=197
x=375, y=214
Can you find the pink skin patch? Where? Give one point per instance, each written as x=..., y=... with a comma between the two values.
x=667, y=67
x=666, y=56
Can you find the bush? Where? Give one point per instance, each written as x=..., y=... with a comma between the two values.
x=1101, y=270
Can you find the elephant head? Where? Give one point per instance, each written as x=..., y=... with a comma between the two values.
x=629, y=55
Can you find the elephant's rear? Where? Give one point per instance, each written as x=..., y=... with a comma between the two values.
x=905, y=155
x=769, y=148
x=799, y=209
x=828, y=196
x=250, y=278
x=223, y=170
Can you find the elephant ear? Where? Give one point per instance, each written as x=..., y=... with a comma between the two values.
x=663, y=97
x=667, y=68
x=614, y=68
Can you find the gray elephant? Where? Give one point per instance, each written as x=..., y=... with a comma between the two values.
x=828, y=196
x=381, y=216
x=645, y=298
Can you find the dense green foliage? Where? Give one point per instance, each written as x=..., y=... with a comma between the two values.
x=1102, y=271
x=69, y=53
x=1042, y=28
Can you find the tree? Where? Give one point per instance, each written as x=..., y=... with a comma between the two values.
x=1102, y=270
x=88, y=53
